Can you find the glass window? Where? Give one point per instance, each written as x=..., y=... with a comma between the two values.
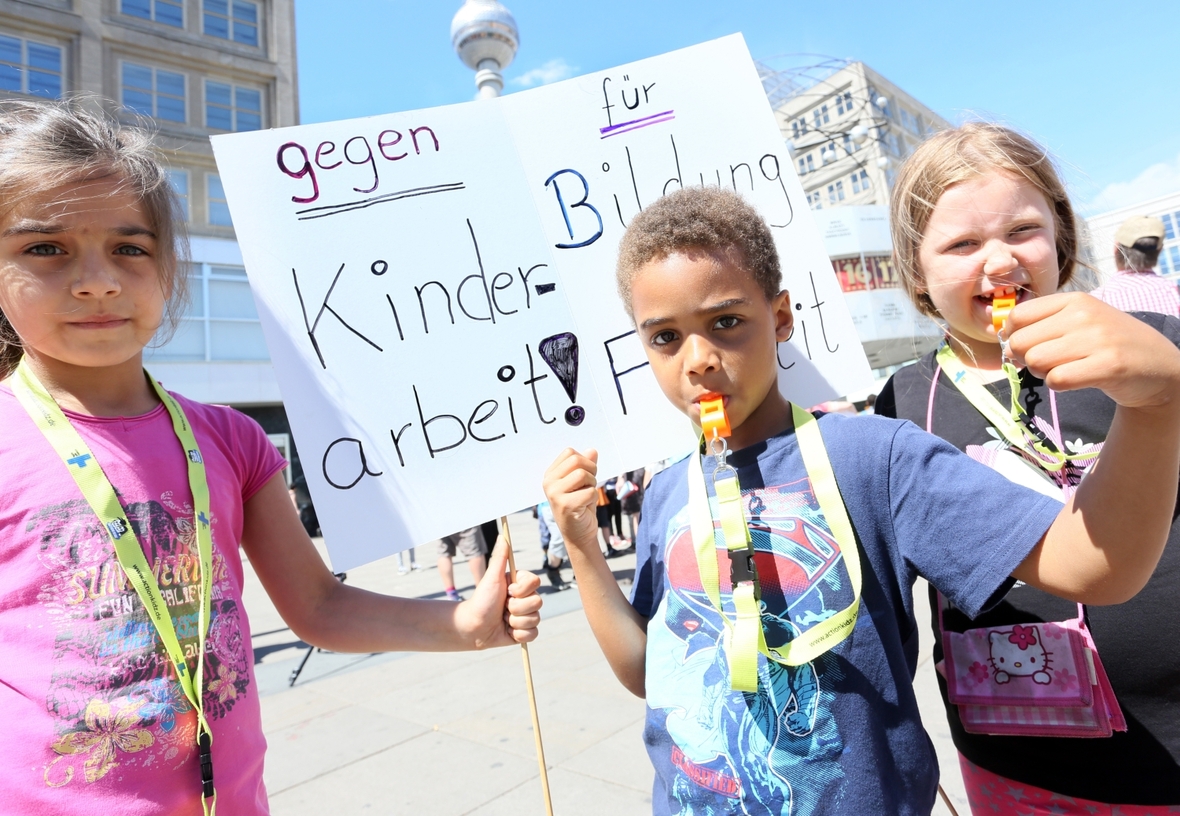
x=1174, y=252
x=218, y=207
x=795, y=129
x=235, y=20
x=1169, y=230
x=30, y=67
x=229, y=107
x=221, y=324
x=154, y=92
x=169, y=12
x=179, y=181
x=860, y=181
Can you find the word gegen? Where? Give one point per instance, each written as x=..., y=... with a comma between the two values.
x=296, y=161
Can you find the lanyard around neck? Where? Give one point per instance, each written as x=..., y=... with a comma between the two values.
x=101, y=496
x=745, y=636
x=1012, y=423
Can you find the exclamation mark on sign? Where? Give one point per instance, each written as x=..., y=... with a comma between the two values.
x=561, y=353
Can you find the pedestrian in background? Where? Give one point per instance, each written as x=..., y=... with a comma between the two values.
x=471, y=543
x=1136, y=287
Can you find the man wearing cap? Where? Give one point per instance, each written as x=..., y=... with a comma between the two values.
x=1136, y=287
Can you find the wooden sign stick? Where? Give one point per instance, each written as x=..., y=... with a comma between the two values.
x=528, y=679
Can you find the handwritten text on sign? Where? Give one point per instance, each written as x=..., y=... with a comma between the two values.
x=437, y=287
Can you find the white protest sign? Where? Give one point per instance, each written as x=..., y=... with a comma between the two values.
x=437, y=286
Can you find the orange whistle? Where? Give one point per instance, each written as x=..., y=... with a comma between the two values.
x=1000, y=308
x=713, y=417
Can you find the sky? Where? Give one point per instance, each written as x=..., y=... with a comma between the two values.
x=1098, y=83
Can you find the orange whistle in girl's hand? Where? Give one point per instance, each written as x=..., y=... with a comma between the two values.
x=713, y=418
x=1000, y=308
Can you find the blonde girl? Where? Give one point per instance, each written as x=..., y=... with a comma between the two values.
x=979, y=214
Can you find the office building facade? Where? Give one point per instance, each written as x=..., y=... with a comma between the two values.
x=188, y=69
x=848, y=130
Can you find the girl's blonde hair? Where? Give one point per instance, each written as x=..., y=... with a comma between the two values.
x=957, y=155
x=45, y=145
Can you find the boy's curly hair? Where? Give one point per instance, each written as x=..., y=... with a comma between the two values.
x=706, y=218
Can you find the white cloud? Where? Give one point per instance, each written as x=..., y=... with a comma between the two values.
x=554, y=70
x=1156, y=181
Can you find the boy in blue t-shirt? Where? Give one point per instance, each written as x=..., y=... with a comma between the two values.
x=839, y=732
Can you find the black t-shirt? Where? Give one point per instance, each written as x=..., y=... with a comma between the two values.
x=1138, y=641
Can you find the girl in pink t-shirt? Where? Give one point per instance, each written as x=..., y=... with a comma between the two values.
x=126, y=683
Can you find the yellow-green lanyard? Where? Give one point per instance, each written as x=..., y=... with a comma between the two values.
x=744, y=637
x=1020, y=433
x=100, y=494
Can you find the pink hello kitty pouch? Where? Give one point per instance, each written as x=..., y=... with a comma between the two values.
x=1035, y=679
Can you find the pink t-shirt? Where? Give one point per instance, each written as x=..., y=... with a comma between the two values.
x=92, y=717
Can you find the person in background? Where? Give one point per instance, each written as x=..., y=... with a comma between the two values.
x=553, y=543
x=471, y=543
x=1136, y=287
x=401, y=561
x=629, y=489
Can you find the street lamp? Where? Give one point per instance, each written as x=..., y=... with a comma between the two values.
x=485, y=36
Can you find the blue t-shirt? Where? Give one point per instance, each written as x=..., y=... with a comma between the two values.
x=842, y=734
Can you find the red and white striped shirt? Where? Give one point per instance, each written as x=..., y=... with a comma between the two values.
x=1133, y=291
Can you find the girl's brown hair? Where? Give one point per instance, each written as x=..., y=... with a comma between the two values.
x=957, y=155
x=45, y=145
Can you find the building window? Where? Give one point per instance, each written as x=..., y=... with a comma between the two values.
x=169, y=12
x=179, y=181
x=218, y=206
x=230, y=107
x=820, y=115
x=860, y=181
x=1169, y=230
x=835, y=192
x=844, y=103
x=795, y=129
x=30, y=67
x=1174, y=252
x=221, y=324
x=154, y=92
x=235, y=20
x=806, y=164
x=909, y=121
x=815, y=200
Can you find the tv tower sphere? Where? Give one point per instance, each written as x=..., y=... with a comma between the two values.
x=485, y=36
